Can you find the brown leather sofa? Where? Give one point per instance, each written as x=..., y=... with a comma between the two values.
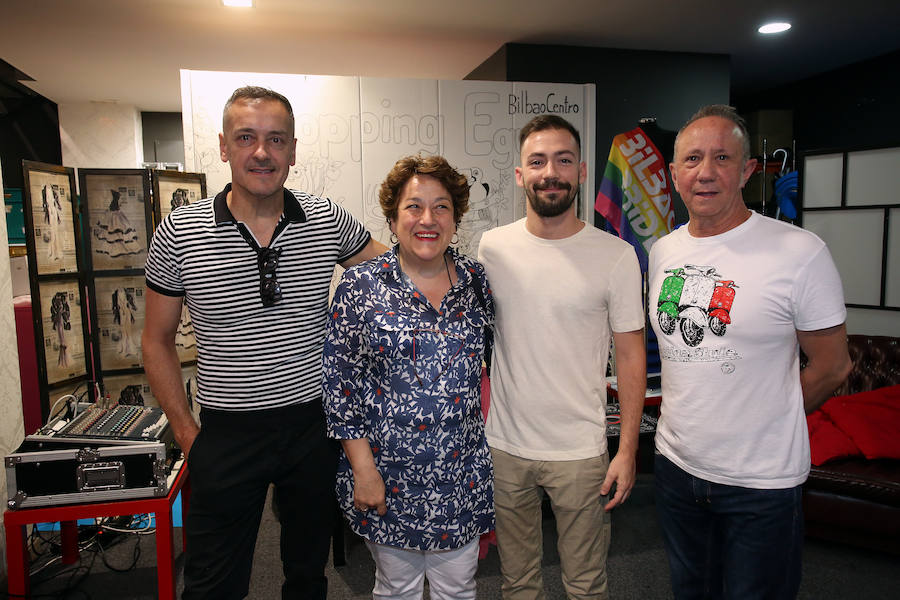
x=856, y=500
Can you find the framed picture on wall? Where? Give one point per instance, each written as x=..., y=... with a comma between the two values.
x=117, y=216
x=134, y=388
x=189, y=379
x=173, y=189
x=118, y=313
x=52, y=234
x=185, y=342
x=129, y=388
x=61, y=349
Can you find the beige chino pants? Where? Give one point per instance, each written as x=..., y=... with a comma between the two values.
x=573, y=487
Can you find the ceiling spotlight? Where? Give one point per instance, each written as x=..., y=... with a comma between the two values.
x=774, y=27
x=238, y=3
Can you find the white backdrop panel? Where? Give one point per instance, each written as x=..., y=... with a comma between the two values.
x=822, y=177
x=398, y=117
x=574, y=103
x=326, y=115
x=854, y=240
x=351, y=130
x=872, y=177
x=481, y=140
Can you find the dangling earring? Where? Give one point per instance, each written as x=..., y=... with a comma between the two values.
x=394, y=239
x=455, y=239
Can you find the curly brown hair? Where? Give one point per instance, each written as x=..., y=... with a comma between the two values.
x=408, y=167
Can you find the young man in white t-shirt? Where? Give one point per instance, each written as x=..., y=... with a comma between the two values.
x=561, y=288
x=733, y=296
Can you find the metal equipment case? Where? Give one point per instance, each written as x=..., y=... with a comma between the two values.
x=102, y=454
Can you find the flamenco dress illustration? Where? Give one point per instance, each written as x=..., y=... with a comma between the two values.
x=59, y=316
x=184, y=335
x=124, y=309
x=53, y=218
x=114, y=232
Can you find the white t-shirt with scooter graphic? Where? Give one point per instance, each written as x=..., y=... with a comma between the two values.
x=726, y=309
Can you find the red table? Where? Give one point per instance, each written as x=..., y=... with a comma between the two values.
x=17, y=557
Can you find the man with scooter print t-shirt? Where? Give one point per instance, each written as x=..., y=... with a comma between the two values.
x=732, y=446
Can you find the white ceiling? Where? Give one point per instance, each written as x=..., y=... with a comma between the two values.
x=130, y=51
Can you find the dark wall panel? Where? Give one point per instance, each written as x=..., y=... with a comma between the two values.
x=856, y=106
x=30, y=131
x=29, y=126
x=493, y=69
x=163, y=137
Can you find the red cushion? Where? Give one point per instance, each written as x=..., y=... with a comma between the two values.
x=827, y=442
x=870, y=419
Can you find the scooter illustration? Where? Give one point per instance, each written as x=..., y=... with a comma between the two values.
x=720, y=306
x=685, y=299
x=669, y=297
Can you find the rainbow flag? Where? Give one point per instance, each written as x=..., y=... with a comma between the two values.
x=634, y=194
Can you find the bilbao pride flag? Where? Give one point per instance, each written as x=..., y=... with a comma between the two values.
x=634, y=194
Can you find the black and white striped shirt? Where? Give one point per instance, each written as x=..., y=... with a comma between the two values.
x=250, y=356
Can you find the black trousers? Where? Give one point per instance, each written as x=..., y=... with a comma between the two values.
x=233, y=460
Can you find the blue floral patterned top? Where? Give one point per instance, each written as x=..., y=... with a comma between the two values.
x=407, y=377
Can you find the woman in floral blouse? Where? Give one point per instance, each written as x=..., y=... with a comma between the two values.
x=402, y=366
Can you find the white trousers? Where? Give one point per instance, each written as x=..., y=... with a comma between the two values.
x=400, y=573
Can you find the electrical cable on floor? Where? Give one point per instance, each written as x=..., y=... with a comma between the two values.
x=56, y=558
x=97, y=539
x=77, y=574
x=136, y=554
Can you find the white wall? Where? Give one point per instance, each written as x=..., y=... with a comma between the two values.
x=12, y=427
x=101, y=135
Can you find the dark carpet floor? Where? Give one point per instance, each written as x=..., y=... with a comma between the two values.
x=637, y=566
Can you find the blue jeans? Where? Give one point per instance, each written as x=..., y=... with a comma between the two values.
x=728, y=542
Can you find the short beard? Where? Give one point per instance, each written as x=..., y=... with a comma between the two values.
x=552, y=208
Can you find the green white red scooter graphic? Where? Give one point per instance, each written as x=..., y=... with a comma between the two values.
x=694, y=298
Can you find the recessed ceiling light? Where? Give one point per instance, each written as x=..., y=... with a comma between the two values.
x=774, y=27
x=238, y=3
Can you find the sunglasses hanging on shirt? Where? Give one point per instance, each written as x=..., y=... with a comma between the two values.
x=269, y=288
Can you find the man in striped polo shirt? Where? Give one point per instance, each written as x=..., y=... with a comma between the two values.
x=254, y=265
